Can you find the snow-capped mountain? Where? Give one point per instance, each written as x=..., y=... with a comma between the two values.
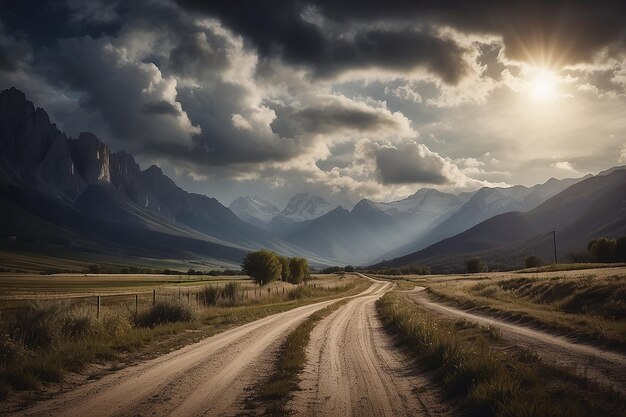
x=254, y=210
x=301, y=208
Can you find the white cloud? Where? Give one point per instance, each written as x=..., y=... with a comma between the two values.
x=565, y=166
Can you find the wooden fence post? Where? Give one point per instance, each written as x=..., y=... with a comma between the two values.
x=154, y=297
x=98, y=309
x=136, y=305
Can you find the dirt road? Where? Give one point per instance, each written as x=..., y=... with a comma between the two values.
x=353, y=369
x=604, y=366
x=207, y=378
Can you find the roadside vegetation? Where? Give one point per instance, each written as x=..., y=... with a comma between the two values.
x=41, y=341
x=588, y=306
x=265, y=266
x=488, y=381
x=274, y=393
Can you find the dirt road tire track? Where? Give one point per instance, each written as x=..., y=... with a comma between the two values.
x=595, y=363
x=353, y=369
x=206, y=378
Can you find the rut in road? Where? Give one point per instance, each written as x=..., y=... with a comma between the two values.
x=603, y=366
x=353, y=369
x=206, y=378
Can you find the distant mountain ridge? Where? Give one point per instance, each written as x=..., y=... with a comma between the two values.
x=254, y=210
x=83, y=176
x=593, y=207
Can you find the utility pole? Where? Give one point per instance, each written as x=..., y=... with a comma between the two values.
x=554, y=240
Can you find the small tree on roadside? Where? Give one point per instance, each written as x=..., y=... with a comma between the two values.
x=94, y=269
x=476, y=265
x=620, y=249
x=349, y=268
x=298, y=270
x=532, y=261
x=262, y=266
x=284, y=272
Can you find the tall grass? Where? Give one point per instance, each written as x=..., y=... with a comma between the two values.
x=42, y=342
x=489, y=382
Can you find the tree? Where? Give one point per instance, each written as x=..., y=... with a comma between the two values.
x=601, y=250
x=94, y=269
x=284, y=272
x=298, y=270
x=532, y=261
x=476, y=265
x=349, y=268
x=262, y=266
x=620, y=249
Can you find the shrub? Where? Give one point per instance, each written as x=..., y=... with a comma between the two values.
x=209, y=295
x=349, y=268
x=620, y=249
x=475, y=265
x=601, y=250
x=36, y=326
x=82, y=326
x=94, y=269
x=298, y=293
x=532, y=261
x=165, y=312
x=232, y=292
x=262, y=266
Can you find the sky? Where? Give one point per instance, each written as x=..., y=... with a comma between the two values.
x=344, y=99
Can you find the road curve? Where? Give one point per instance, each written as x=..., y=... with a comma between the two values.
x=207, y=378
x=592, y=362
x=354, y=370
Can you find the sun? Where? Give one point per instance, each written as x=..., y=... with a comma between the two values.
x=542, y=85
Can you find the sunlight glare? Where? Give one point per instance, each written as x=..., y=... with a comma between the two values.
x=543, y=85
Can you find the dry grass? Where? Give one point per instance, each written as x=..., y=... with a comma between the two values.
x=487, y=381
x=274, y=393
x=41, y=342
x=589, y=306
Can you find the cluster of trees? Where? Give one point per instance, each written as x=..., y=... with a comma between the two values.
x=476, y=265
x=338, y=269
x=607, y=250
x=265, y=266
x=533, y=261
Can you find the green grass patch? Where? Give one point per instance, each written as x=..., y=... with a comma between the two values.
x=487, y=381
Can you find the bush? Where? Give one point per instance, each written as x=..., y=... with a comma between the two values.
x=232, y=292
x=299, y=293
x=601, y=250
x=36, y=326
x=299, y=270
x=165, y=312
x=262, y=266
x=532, y=261
x=349, y=268
x=476, y=265
x=94, y=269
x=210, y=295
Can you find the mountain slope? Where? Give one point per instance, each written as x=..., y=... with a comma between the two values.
x=593, y=207
x=254, y=210
x=300, y=209
x=484, y=204
x=349, y=237
x=93, y=189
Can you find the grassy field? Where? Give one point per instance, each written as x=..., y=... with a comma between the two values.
x=587, y=304
x=42, y=340
x=489, y=380
x=60, y=260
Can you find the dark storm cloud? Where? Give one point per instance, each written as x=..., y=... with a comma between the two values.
x=327, y=114
x=161, y=107
x=558, y=32
x=278, y=29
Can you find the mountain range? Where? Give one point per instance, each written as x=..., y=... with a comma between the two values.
x=74, y=196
